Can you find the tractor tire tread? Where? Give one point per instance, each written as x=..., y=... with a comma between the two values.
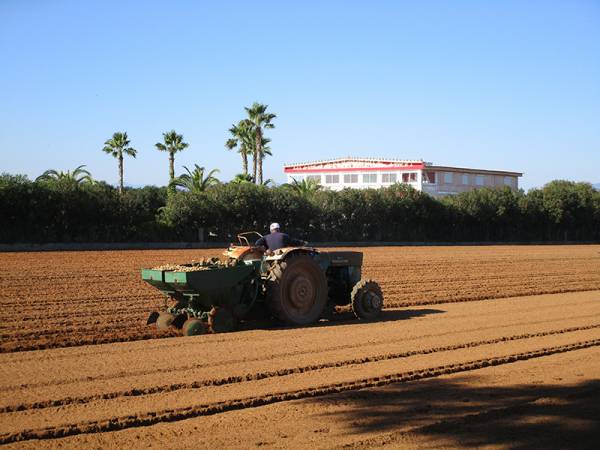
x=275, y=302
x=355, y=296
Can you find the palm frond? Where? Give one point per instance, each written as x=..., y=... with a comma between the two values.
x=172, y=142
x=231, y=143
x=196, y=180
x=241, y=178
x=78, y=176
x=304, y=188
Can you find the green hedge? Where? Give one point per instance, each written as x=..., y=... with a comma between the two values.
x=46, y=212
x=561, y=210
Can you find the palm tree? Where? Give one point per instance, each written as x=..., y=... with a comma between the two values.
x=243, y=139
x=75, y=178
x=242, y=178
x=304, y=188
x=261, y=120
x=117, y=146
x=195, y=181
x=264, y=151
x=172, y=143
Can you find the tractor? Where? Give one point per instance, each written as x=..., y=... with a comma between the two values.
x=295, y=285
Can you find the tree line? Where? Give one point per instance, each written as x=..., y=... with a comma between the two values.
x=68, y=207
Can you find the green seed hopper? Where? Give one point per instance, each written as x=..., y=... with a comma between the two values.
x=194, y=281
x=216, y=295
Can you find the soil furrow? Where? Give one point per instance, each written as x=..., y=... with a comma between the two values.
x=144, y=334
x=172, y=415
x=405, y=304
x=282, y=372
x=231, y=338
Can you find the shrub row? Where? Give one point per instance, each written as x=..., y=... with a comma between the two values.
x=46, y=212
x=51, y=212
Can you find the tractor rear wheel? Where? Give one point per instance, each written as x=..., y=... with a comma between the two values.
x=367, y=300
x=297, y=290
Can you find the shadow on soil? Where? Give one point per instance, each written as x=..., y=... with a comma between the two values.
x=343, y=318
x=440, y=412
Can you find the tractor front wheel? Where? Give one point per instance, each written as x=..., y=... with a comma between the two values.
x=367, y=300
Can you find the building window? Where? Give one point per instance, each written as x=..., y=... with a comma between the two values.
x=314, y=178
x=332, y=179
x=429, y=177
x=465, y=178
x=409, y=177
x=369, y=178
x=508, y=181
x=388, y=177
x=479, y=180
x=448, y=177
x=350, y=178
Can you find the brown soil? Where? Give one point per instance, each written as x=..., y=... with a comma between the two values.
x=62, y=299
x=477, y=355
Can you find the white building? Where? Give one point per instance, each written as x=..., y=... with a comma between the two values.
x=361, y=173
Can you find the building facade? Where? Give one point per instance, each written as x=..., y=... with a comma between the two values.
x=363, y=173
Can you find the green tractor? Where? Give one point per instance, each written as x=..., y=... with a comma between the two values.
x=297, y=285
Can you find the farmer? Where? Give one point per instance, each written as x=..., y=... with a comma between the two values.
x=276, y=239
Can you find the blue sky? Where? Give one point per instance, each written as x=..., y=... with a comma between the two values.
x=507, y=85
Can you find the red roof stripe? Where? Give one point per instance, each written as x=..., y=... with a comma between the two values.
x=353, y=169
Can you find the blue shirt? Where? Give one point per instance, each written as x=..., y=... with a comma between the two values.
x=274, y=241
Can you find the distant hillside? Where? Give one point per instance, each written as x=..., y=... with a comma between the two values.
x=596, y=186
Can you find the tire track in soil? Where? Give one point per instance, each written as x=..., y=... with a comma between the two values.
x=462, y=291
x=102, y=327
x=125, y=297
x=142, y=333
x=405, y=304
x=61, y=319
x=276, y=373
x=172, y=415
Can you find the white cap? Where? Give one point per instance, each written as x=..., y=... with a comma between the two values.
x=274, y=226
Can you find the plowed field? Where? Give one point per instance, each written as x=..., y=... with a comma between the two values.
x=61, y=299
x=478, y=346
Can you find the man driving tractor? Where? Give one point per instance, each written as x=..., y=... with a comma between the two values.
x=276, y=239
